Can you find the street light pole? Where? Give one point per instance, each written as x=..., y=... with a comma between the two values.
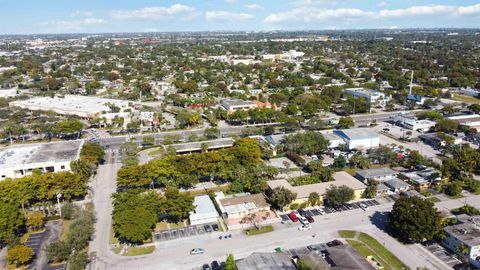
x=59, y=195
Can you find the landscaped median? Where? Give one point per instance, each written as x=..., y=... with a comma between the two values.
x=368, y=246
x=260, y=230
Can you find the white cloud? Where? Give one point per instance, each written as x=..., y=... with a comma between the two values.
x=382, y=4
x=80, y=13
x=153, y=13
x=253, y=6
x=312, y=14
x=75, y=25
x=227, y=16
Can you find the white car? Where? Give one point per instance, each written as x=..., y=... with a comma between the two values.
x=304, y=227
x=304, y=220
x=321, y=211
x=196, y=251
x=364, y=206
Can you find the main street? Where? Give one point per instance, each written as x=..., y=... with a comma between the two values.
x=174, y=254
x=228, y=131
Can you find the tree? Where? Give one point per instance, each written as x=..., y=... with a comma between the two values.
x=281, y=197
x=454, y=188
x=175, y=205
x=92, y=153
x=78, y=260
x=35, y=220
x=230, y=263
x=69, y=210
x=314, y=199
x=359, y=161
x=371, y=190
x=133, y=176
x=129, y=152
x=58, y=251
x=338, y=195
x=19, y=255
x=307, y=143
x=346, y=122
x=339, y=162
x=383, y=155
x=212, y=133
x=11, y=221
x=414, y=220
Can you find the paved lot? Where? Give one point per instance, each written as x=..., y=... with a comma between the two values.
x=444, y=255
x=172, y=234
x=35, y=241
x=330, y=210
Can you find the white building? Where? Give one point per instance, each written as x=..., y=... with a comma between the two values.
x=232, y=105
x=20, y=160
x=413, y=123
x=374, y=98
x=466, y=234
x=359, y=138
x=81, y=106
x=204, y=212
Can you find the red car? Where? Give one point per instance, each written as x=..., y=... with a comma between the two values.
x=293, y=217
x=310, y=219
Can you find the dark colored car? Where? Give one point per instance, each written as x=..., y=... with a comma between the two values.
x=302, y=212
x=207, y=228
x=215, y=265
x=334, y=243
x=206, y=267
x=310, y=219
x=215, y=227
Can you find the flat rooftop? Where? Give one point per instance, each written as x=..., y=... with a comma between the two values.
x=340, y=178
x=70, y=104
x=19, y=155
x=357, y=133
x=237, y=102
x=468, y=232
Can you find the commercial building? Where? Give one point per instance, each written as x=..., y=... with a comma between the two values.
x=22, y=160
x=374, y=98
x=464, y=239
x=333, y=139
x=359, y=138
x=471, y=121
x=377, y=174
x=232, y=105
x=81, y=106
x=340, y=179
x=412, y=123
x=204, y=212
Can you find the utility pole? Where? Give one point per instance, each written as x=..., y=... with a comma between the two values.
x=59, y=195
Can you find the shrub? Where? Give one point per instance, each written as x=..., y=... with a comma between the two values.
x=294, y=206
x=19, y=255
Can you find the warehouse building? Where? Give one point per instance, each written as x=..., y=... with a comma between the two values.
x=22, y=160
x=359, y=138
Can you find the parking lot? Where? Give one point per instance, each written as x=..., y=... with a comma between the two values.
x=344, y=207
x=35, y=241
x=185, y=232
x=444, y=255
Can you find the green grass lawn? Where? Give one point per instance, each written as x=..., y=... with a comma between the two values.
x=381, y=251
x=177, y=225
x=161, y=226
x=65, y=229
x=155, y=153
x=137, y=251
x=465, y=98
x=118, y=249
x=255, y=231
x=113, y=239
x=347, y=234
x=363, y=250
x=433, y=199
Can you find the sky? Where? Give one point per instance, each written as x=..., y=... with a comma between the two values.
x=106, y=16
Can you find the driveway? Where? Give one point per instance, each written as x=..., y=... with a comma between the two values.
x=38, y=242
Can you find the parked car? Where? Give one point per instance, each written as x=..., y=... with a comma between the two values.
x=215, y=227
x=334, y=243
x=215, y=265
x=196, y=251
x=310, y=219
x=303, y=220
x=302, y=212
x=293, y=217
x=364, y=206
x=206, y=267
x=313, y=249
x=207, y=228
x=322, y=211
x=304, y=227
